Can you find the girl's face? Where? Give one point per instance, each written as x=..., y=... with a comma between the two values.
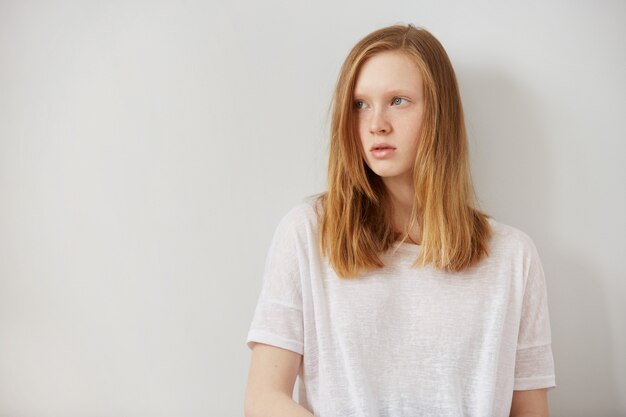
x=388, y=104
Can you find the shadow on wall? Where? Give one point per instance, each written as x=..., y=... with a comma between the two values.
x=515, y=182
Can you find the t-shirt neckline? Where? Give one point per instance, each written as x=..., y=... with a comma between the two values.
x=406, y=247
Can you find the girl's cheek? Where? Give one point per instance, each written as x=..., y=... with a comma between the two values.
x=363, y=126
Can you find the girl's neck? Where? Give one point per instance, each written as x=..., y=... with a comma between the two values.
x=402, y=195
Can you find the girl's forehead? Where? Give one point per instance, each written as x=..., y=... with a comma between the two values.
x=389, y=71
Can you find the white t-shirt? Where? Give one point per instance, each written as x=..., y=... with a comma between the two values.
x=404, y=341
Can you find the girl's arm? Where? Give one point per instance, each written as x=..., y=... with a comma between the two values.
x=272, y=376
x=530, y=403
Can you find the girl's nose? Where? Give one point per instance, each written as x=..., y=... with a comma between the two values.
x=379, y=123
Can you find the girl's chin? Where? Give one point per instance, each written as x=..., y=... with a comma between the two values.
x=395, y=176
x=389, y=173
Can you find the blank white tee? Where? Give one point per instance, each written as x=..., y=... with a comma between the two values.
x=403, y=341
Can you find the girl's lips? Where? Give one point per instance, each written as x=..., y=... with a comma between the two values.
x=383, y=153
x=381, y=145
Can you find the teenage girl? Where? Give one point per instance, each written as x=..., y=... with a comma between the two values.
x=391, y=294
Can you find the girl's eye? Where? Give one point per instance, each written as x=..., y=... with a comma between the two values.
x=359, y=104
x=398, y=100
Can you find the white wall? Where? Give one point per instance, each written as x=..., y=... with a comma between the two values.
x=148, y=149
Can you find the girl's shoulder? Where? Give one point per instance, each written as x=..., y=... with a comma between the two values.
x=299, y=223
x=508, y=238
x=306, y=213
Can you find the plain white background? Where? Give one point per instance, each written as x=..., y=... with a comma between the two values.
x=148, y=150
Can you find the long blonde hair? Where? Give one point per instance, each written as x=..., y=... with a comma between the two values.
x=355, y=220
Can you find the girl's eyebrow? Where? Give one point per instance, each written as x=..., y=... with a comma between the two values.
x=391, y=93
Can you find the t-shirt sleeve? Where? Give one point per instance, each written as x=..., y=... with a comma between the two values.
x=534, y=363
x=278, y=318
